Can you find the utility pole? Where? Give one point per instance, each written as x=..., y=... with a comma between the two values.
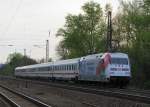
x=47, y=50
x=24, y=52
x=109, y=33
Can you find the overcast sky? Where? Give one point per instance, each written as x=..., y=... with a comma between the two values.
x=24, y=23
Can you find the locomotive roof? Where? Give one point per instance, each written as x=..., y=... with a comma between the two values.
x=93, y=56
x=118, y=54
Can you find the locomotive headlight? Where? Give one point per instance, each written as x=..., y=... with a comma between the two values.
x=125, y=69
x=111, y=73
x=127, y=72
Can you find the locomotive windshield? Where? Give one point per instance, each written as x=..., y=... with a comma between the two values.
x=119, y=61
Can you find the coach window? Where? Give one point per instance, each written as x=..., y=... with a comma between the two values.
x=75, y=67
x=61, y=67
x=67, y=67
x=47, y=68
x=55, y=68
x=58, y=68
x=64, y=67
x=72, y=67
x=44, y=68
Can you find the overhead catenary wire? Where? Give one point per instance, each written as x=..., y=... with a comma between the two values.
x=12, y=18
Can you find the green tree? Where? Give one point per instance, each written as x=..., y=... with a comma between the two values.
x=133, y=29
x=84, y=33
x=14, y=60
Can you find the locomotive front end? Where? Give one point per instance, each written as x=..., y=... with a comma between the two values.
x=119, y=69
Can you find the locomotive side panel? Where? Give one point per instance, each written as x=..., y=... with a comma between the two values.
x=90, y=70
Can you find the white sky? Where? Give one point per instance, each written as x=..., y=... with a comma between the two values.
x=24, y=23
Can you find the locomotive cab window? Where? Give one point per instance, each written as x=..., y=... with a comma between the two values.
x=119, y=61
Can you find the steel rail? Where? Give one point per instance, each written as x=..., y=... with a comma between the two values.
x=9, y=101
x=118, y=93
x=35, y=101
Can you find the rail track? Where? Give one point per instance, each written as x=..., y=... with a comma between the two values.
x=7, y=101
x=137, y=95
x=17, y=99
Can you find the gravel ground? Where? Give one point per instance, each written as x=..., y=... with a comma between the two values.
x=58, y=97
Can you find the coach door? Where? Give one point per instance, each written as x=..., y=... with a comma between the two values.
x=82, y=68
